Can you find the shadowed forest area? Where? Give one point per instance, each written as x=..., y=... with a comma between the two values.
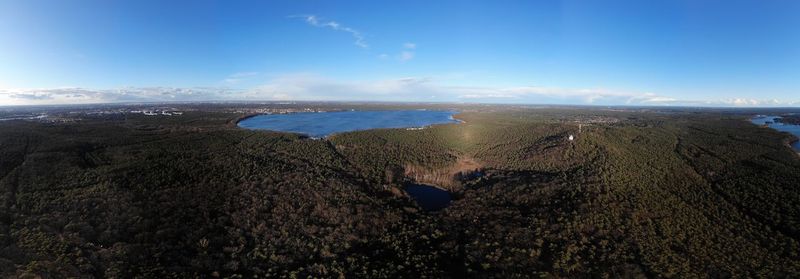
x=636, y=194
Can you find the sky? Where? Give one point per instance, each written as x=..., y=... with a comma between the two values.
x=680, y=53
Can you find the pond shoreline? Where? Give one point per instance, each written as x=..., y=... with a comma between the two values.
x=430, y=198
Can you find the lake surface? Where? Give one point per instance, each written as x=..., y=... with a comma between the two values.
x=428, y=197
x=322, y=124
x=793, y=129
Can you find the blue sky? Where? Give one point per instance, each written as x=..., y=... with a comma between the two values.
x=707, y=53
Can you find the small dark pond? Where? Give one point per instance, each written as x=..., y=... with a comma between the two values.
x=428, y=197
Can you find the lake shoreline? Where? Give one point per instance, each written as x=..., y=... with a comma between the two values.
x=246, y=116
x=793, y=138
x=326, y=124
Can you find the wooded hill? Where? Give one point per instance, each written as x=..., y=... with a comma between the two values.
x=636, y=194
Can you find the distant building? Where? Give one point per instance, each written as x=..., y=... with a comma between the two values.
x=571, y=137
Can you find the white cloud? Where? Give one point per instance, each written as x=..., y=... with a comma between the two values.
x=313, y=20
x=315, y=87
x=306, y=86
x=76, y=95
x=651, y=99
x=405, y=56
x=407, y=53
x=750, y=102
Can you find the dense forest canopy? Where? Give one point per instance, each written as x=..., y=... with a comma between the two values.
x=638, y=193
x=790, y=119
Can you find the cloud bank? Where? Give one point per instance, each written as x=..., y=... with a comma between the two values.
x=310, y=87
x=51, y=96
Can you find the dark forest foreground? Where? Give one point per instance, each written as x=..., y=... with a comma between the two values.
x=636, y=194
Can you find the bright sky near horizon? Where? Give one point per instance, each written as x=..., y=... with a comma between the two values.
x=697, y=53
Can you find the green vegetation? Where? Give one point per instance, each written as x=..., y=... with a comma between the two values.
x=790, y=119
x=636, y=194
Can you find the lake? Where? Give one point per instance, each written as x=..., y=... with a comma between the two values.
x=322, y=124
x=428, y=197
x=792, y=129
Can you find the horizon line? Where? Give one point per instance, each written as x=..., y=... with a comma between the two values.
x=395, y=102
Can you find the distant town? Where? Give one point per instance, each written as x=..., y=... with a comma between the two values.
x=55, y=114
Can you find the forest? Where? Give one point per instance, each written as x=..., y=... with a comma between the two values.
x=790, y=119
x=638, y=193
